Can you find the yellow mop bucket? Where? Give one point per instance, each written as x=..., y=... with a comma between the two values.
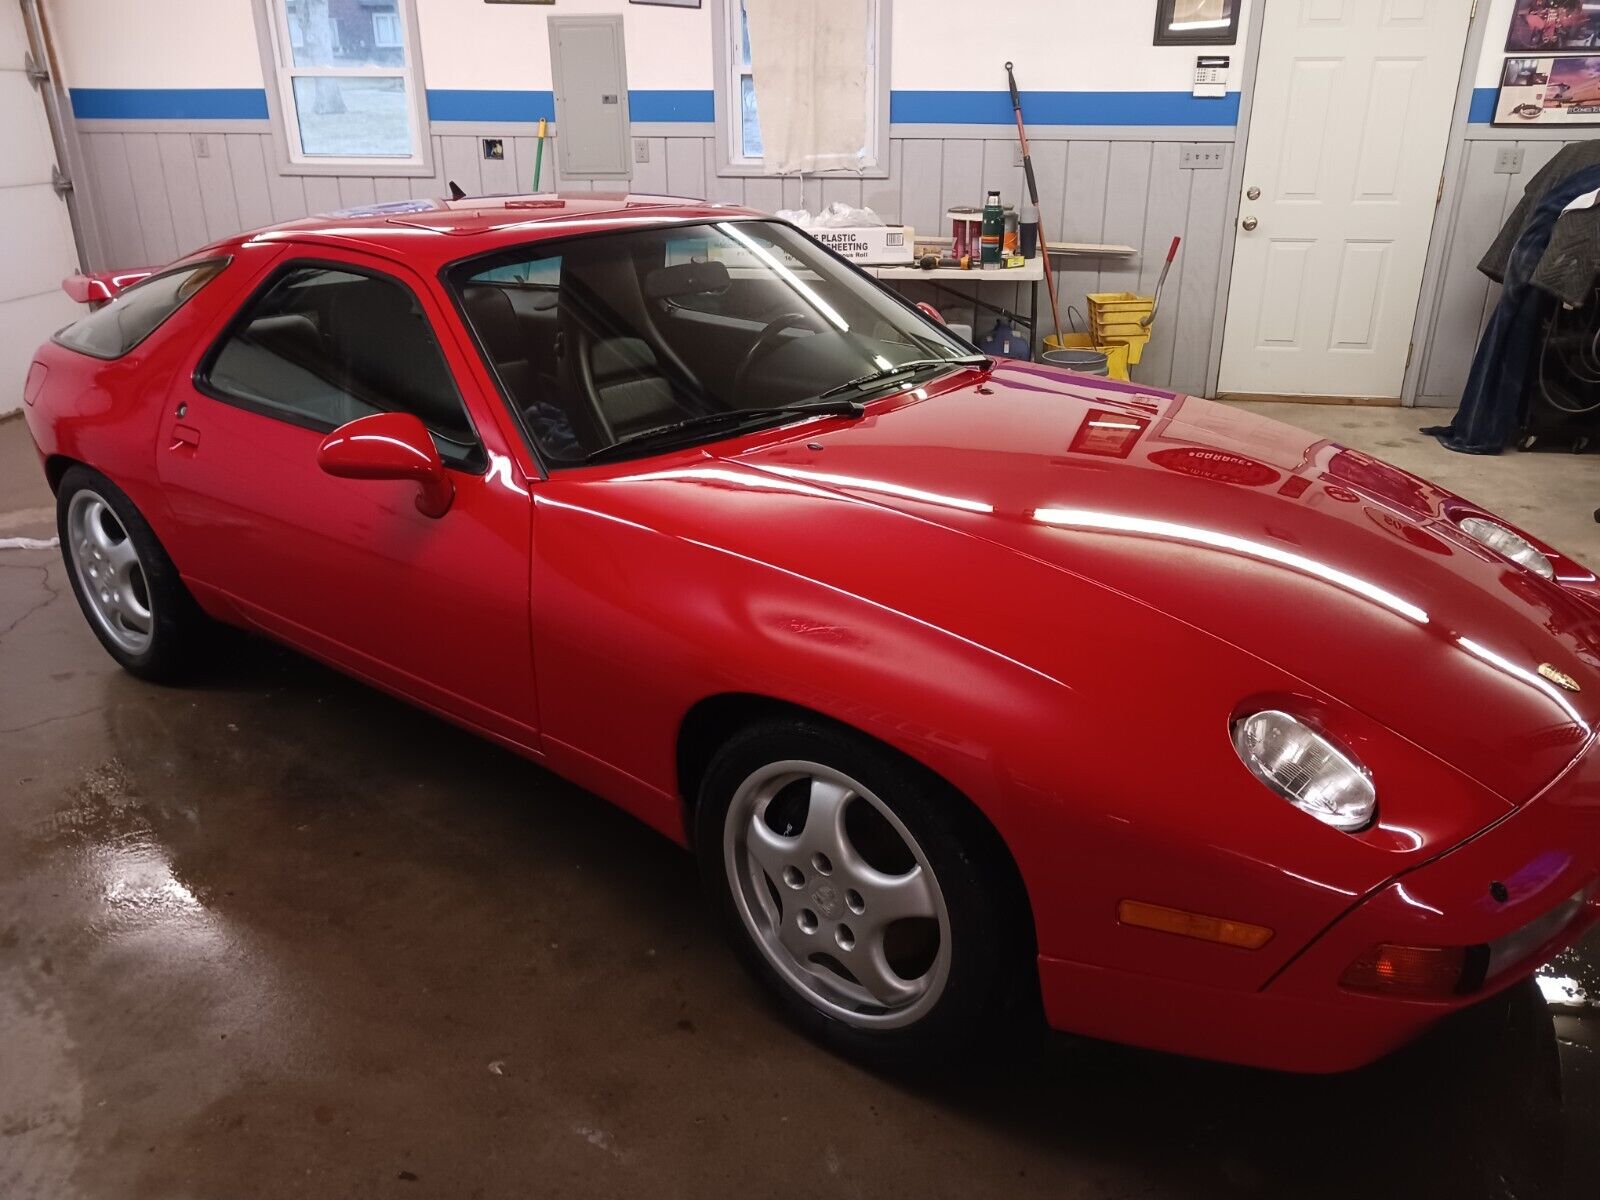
x=1125, y=316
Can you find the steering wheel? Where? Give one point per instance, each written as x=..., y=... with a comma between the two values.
x=764, y=342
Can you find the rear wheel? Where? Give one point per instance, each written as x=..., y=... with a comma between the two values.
x=858, y=889
x=126, y=585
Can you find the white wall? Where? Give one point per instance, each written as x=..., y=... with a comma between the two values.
x=1057, y=45
x=468, y=44
x=1493, y=56
x=156, y=43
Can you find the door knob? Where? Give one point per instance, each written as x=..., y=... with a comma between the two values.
x=1253, y=194
x=1249, y=223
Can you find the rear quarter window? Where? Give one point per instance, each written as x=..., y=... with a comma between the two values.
x=112, y=331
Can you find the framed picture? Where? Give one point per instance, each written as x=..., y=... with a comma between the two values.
x=669, y=3
x=1547, y=25
x=1549, y=91
x=1197, y=22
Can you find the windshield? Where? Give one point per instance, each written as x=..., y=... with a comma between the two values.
x=629, y=339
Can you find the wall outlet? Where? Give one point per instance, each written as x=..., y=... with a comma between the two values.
x=1508, y=161
x=202, y=146
x=1201, y=156
x=1016, y=155
x=641, y=150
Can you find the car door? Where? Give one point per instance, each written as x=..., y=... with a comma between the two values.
x=349, y=570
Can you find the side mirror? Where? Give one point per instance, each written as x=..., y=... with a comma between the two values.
x=390, y=446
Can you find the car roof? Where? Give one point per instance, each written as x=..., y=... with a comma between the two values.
x=430, y=233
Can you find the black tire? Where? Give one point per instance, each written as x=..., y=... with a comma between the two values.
x=990, y=965
x=177, y=626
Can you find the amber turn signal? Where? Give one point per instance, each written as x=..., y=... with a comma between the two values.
x=1410, y=970
x=1195, y=925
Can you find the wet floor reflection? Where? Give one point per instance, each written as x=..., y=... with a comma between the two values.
x=280, y=928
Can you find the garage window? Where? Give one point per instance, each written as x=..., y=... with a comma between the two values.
x=348, y=92
x=324, y=345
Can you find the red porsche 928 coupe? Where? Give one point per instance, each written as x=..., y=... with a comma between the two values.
x=976, y=686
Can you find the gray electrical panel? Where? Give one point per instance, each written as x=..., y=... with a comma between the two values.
x=591, y=85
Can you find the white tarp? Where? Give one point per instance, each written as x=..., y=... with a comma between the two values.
x=809, y=62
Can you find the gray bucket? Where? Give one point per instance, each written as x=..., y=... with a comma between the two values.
x=1084, y=362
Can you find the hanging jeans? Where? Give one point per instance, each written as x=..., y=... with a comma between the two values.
x=1491, y=404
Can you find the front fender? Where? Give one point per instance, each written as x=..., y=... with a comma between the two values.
x=1090, y=730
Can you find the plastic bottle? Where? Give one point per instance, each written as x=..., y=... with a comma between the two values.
x=994, y=227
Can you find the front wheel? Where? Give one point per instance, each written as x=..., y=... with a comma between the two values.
x=860, y=891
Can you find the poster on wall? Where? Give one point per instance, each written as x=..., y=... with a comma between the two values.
x=1554, y=25
x=1550, y=91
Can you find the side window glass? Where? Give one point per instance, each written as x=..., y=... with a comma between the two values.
x=323, y=346
x=115, y=329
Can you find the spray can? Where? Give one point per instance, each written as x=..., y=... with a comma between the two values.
x=994, y=228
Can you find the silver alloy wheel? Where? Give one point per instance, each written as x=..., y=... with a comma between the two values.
x=819, y=910
x=109, y=571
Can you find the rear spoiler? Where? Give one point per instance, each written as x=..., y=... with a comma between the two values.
x=96, y=287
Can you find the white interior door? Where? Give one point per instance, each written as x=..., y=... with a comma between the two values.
x=35, y=227
x=1348, y=130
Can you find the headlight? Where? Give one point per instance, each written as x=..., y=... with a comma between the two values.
x=1306, y=769
x=1507, y=544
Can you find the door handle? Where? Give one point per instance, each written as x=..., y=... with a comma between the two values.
x=1249, y=224
x=184, y=435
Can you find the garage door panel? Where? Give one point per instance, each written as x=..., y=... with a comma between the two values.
x=24, y=324
x=25, y=146
x=37, y=261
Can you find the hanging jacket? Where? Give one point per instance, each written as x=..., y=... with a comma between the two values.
x=1570, y=264
x=1491, y=405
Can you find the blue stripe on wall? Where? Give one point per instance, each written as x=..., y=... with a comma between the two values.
x=451, y=104
x=168, y=104
x=445, y=104
x=1481, y=111
x=672, y=105
x=1063, y=108
x=696, y=105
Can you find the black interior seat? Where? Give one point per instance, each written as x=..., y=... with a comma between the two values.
x=495, y=321
x=628, y=384
x=390, y=358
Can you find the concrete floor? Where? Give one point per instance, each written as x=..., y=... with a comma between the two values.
x=279, y=936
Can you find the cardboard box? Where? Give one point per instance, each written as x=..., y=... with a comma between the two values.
x=878, y=245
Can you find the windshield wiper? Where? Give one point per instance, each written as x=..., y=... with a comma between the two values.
x=733, y=417
x=894, y=369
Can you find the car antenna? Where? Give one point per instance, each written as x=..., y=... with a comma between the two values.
x=455, y=191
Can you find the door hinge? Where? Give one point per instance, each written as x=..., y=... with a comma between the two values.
x=36, y=71
x=1410, y=349
x=1438, y=196
x=61, y=183
x=1474, y=11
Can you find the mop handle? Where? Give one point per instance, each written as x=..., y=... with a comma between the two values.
x=1161, y=281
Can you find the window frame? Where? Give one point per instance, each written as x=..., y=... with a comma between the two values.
x=728, y=56
x=476, y=461
x=386, y=25
x=274, y=38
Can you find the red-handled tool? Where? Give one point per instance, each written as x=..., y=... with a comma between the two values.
x=1155, y=301
x=1033, y=194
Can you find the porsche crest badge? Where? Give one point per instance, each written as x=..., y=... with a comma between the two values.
x=1558, y=677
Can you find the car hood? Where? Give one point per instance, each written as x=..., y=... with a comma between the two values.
x=1338, y=569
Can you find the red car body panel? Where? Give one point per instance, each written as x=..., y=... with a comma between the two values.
x=1053, y=591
